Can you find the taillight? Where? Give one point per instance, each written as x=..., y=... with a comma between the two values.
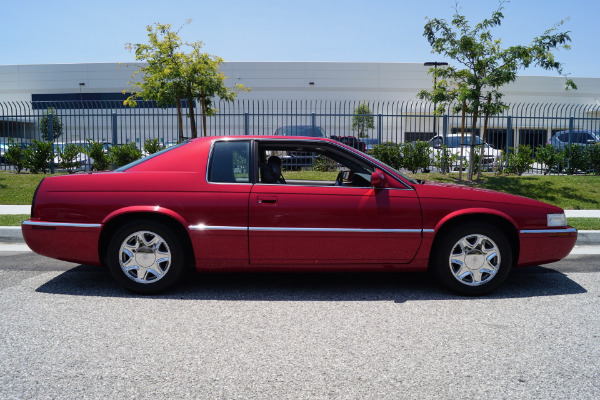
x=34, y=196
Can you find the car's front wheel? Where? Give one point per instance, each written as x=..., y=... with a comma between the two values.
x=473, y=259
x=145, y=257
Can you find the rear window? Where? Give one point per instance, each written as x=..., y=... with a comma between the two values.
x=230, y=162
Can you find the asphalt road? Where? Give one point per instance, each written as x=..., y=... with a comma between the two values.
x=69, y=332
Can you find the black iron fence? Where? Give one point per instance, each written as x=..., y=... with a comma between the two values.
x=389, y=121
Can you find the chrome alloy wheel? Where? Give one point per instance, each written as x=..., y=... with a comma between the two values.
x=474, y=260
x=144, y=257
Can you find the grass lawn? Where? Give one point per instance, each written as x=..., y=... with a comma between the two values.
x=18, y=188
x=568, y=192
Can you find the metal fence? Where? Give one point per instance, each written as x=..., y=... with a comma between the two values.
x=392, y=121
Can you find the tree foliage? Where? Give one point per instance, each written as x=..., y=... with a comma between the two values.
x=45, y=126
x=171, y=74
x=362, y=120
x=485, y=66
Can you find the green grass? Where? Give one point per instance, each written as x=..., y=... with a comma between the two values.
x=585, y=224
x=567, y=192
x=13, y=220
x=19, y=188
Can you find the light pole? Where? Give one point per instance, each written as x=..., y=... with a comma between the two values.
x=435, y=64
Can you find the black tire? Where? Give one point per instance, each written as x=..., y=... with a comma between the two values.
x=146, y=257
x=473, y=259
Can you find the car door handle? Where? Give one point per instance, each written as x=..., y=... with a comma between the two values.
x=267, y=200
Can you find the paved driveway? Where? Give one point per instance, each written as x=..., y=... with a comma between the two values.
x=69, y=332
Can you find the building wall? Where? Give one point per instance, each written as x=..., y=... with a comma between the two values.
x=286, y=81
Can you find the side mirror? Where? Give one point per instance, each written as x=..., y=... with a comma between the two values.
x=378, y=179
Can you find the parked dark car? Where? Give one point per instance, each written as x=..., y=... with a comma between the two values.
x=294, y=160
x=352, y=142
x=300, y=130
x=584, y=137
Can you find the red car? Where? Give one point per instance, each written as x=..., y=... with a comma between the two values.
x=224, y=204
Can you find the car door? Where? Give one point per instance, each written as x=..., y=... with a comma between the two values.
x=312, y=224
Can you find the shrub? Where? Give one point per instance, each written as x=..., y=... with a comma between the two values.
x=152, y=146
x=444, y=159
x=68, y=156
x=551, y=157
x=575, y=158
x=38, y=156
x=519, y=160
x=15, y=155
x=415, y=155
x=95, y=150
x=593, y=156
x=124, y=154
x=388, y=153
x=324, y=164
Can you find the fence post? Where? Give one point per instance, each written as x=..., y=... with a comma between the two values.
x=114, y=128
x=509, y=134
x=445, y=127
x=570, y=130
x=379, y=128
x=313, y=122
x=50, y=137
x=246, y=124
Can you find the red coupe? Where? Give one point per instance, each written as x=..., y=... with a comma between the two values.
x=224, y=204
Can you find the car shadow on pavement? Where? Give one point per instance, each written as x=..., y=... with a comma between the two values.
x=86, y=280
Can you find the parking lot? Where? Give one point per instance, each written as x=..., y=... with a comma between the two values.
x=69, y=332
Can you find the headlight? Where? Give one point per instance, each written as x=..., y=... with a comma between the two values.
x=557, y=220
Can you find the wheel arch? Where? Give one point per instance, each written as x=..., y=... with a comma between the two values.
x=495, y=219
x=115, y=220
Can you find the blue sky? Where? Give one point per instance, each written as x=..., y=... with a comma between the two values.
x=83, y=31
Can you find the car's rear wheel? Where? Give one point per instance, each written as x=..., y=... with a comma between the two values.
x=145, y=257
x=473, y=259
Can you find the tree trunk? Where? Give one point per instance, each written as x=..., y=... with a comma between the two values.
x=180, y=119
x=483, y=137
x=203, y=102
x=192, y=118
x=472, y=147
x=462, y=139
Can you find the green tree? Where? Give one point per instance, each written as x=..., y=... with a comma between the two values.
x=57, y=126
x=362, y=120
x=487, y=66
x=170, y=75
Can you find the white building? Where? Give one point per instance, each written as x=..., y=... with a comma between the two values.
x=281, y=80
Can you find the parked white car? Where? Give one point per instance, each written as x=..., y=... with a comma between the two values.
x=491, y=156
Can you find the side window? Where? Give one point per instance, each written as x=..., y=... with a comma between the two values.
x=230, y=162
x=310, y=166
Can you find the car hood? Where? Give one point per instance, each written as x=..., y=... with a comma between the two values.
x=437, y=190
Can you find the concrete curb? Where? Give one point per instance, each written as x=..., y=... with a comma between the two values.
x=12, y=234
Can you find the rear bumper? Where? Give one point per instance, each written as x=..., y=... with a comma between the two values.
x=543, y=246
x=76, y=243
